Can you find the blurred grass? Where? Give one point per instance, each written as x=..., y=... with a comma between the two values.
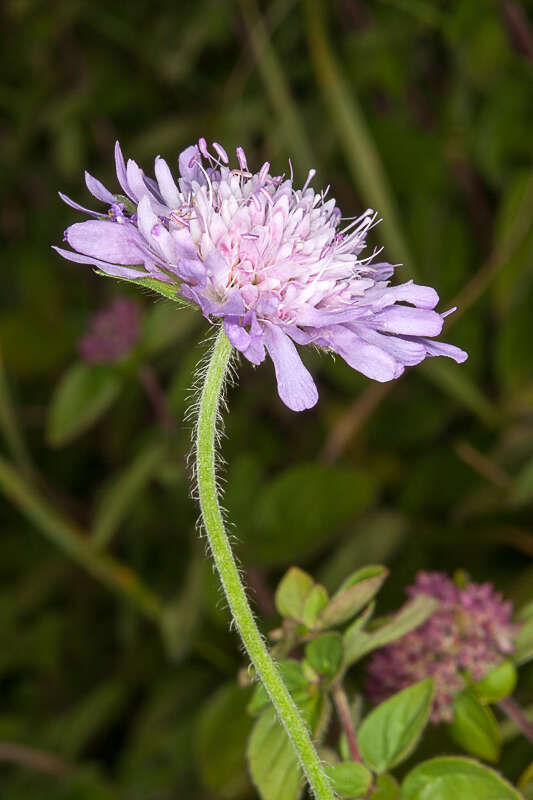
x=420, y=109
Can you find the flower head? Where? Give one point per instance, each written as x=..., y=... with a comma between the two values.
x=112, y=332
x=279, y=265
x=469, y=633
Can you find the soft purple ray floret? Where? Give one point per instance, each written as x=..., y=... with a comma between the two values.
x=278, y=265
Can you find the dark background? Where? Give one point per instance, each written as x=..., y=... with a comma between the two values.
x=421, y=109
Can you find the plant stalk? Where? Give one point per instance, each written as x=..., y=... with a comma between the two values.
x=512, y=709
x=345, y=718
x=229, y=574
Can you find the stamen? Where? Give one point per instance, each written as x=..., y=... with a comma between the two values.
x=263, y=172
x=221, y=152
x=241, y=158
x=202, y=146
x=310, y=175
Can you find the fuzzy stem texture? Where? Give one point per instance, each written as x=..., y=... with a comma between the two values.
x=229, y=575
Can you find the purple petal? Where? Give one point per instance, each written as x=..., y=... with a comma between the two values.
x=135, y=178
x=233, y=306
x=109, y=269
x=108, y=241
x=366, y=358
x=121, y=171
x=419, y=296
x=153, y=188
x=189, y=171
x=167, y=186
x=442, y=349
x=238, y=336
x=406, y=351
x=409, y=321
x=191, y=270
x=154, y=231
x=66, y=199
x=295, y=384
x=184, y=243
x=98, y=189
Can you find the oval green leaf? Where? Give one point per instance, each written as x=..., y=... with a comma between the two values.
x=293, y=590
x=325, y=654
x=498, y=683
x=272, y=760
x=220, y=742
x=450, y=778
x=353, y=595
x=474, y=727
x=391, y=731
x=349, y=779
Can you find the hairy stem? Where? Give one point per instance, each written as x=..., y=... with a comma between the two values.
x=229, y=574
x=345, y=718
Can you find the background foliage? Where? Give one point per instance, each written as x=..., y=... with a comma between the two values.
x=420, y=108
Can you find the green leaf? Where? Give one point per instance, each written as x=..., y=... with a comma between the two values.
x=349, y=779
x=303, y=508
x=222, y=731
x=356, y=591
x=474, y=727
x=387, y=788
x=523, y=642
x=391, y=731
x=525, y=782
x=315, y=602
x=272, y=760
x=325, y=654
x=358, y=643
x=293, y=678
x=451, y=778
x=292, y=593
x=82, y=396
x=498, y=683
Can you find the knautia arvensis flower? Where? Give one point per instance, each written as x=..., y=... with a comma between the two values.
x=279, y=265
x=468, y=634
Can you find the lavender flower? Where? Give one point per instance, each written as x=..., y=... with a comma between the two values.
x=112, y=333
x=278, y=265
x=470, y=632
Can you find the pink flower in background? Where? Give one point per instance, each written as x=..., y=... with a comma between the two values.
x=470, y=632
x=112, y=332
x=278, y=264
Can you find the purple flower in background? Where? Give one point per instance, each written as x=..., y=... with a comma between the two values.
x=279, y=265
x=112, y=332
x=470, y=632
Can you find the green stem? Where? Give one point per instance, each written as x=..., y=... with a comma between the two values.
x=345, y=716
x=229, y=574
